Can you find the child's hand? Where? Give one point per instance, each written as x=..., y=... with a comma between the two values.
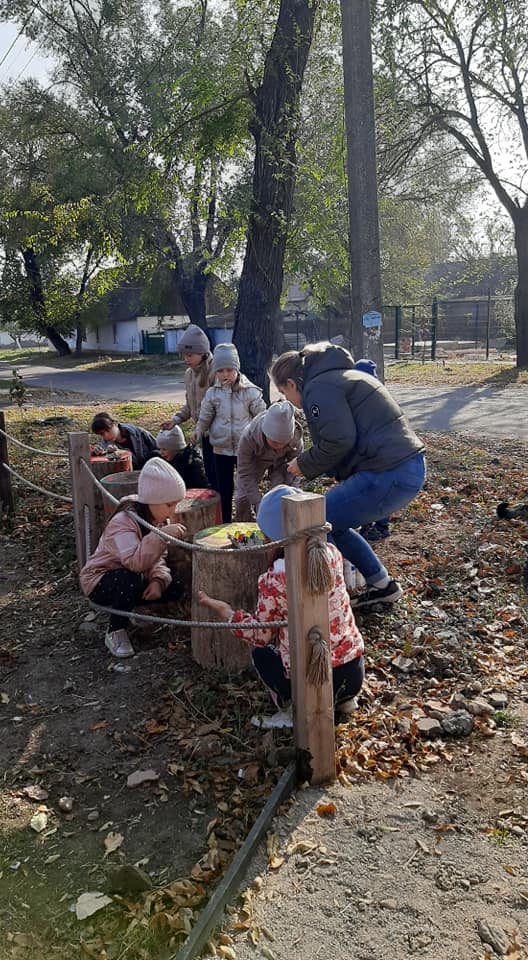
x=294, y=469
x=178, y=530
x=195, y=437
x=167, y=425
x=222, y=609
x=152, y=591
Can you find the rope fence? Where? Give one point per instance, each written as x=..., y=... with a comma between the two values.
x=210, y=624
x=45, y=453
x=34, y=486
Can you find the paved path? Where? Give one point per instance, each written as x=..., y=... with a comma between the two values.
x=482, y=411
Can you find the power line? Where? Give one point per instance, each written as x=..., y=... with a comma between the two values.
x=19, y=34
x=35, y=51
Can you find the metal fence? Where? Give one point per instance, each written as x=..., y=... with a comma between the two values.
x=420, y=330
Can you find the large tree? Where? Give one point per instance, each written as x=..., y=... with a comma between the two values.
x=274, y=127
x=463, y=67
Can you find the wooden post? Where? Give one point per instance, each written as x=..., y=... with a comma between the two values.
x=313, y=707
x=6, y=488
x=83, y=494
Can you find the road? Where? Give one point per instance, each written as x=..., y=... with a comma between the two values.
x=481, y=411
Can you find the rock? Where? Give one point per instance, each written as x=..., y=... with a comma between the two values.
x=437, y=709
x=479, y=708
x=427, y=727
x=89, y=628
x=403, y=664
x=459, y=723
x=495, y=936
x=458, y=702
x=440, y=662
x=65, y=804
x=389, y=903
x=127, y=878
x=403, y=726
x=429, y=816
x=93, y=815
x=499, y=701
x=141, y=776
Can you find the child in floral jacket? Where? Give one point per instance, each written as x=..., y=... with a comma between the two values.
x=271, y=656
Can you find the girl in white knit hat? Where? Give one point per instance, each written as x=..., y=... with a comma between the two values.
x=226, y=409
x=129, y=566
x=199, y=376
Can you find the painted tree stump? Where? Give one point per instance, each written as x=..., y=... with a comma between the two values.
x=102, y=466
x=198, y=510
x=230, y=578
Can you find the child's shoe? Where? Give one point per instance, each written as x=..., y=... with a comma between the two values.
x=281, y=719
x=118, y=643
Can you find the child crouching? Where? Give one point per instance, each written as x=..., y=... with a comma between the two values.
x=271, y=656
x=185, y=458
x=128, y=565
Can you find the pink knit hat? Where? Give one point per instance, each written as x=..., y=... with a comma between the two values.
x=160, y=483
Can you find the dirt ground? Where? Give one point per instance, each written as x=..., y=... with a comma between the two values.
x=429, y=834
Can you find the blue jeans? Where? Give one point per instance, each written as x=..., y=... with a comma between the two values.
x=365, y=497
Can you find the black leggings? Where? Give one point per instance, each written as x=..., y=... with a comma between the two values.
x=123, y=589
x=225, y=477
x=209, y=463
x=347, y=679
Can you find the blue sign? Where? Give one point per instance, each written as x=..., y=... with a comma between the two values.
x=372, y=319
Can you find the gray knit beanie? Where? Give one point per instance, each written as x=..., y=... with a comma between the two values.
x=225, y=356
x=172, y=439
x=160, y=483
x=194, y=340
x=278, y=423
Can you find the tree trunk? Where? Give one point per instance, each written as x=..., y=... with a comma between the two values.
x=190, y=281
x=38, y=303
x=521, y=290
x=274, y=128
x=365, y=273
x=80, y=333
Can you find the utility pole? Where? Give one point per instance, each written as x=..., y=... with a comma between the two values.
x=365, y=279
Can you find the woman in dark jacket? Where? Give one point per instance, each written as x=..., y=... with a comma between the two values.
x=362, y=438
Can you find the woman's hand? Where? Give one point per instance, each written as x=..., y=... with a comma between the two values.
x=222, y=609
x=195, y=437
x=167, y=425
x=178, y=530
x=152, y=591
x=294, y=468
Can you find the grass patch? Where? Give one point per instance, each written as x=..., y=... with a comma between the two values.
x=491, y=373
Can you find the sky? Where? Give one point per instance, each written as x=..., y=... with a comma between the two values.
x=23, y=59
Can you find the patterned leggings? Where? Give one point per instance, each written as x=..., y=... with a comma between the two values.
x=123, y=589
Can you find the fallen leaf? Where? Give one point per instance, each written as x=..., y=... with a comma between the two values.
x=89, y=903
x=35, y=793
x=112, y=842
x=4, y=698
x=39, y=821
x=141, y=776
x=326, y=809
x=101, y=725
x=520, y=744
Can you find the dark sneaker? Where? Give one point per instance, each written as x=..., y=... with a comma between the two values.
x=372, y=595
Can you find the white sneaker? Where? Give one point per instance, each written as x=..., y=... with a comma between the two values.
x=347, y=707
x=118, y=643
x=283, y=718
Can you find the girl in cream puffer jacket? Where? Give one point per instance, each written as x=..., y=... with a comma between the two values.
x=227, y=408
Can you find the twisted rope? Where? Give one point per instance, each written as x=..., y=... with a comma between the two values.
x=45, y=453
x=201, y=548
x=56, y=496
x=212, y=624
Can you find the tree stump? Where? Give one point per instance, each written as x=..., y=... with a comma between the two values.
x=198, y=510
x=103, y=467
x=230, y=578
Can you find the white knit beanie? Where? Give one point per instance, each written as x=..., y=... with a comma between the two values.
x=194, y=340
x=278, y=423
x=160, y=483
x=225, y=356
x=172, y=439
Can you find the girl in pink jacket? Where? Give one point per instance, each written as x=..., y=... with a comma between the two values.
x=128, y=566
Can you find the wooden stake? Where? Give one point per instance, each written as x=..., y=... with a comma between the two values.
x=82, y=494
x=313, y=707
x=6, y=489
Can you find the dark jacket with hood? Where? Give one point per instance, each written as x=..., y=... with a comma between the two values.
x=140, y=442
x=354, y=422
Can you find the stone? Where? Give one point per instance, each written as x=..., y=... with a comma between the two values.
x=403, y=664
x=389, y=903
x=495, y=936
x=479, y=708
x=459, y=723
x=499, y=701
x=427, y=727
x=430, y=816
x=437, y=709
x=127, y=878
x=65, y=804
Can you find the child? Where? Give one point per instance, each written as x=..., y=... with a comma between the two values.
x=185, y=458
x=126, y=436
x=128, y=565
x=378, y=530
x=271, y=655
x=199, y=376
x=266, y=445
x=226, y=409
